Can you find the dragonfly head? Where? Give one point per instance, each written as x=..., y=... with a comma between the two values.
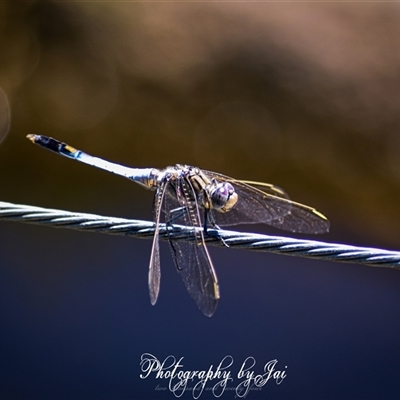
x=223, y=196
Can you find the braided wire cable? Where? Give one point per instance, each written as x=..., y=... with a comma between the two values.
x=145, y=229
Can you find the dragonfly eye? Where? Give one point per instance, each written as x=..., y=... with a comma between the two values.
x=223, y=196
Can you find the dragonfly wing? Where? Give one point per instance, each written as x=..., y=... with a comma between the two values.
x=191, y=256
x=197, y=272
x=154, y=267
x=302, y=219
x=267, y=188
x=256, y=206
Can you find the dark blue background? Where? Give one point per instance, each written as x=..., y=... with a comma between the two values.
x=302, y=95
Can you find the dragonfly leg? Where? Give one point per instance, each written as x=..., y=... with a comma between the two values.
x=209, y=218
x=173, y=215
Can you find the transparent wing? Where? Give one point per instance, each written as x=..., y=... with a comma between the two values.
x=154, y=267
x=191, y=256
x=266, y=187
x=261, y=206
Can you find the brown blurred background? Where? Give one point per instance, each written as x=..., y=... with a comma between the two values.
x=303, y=97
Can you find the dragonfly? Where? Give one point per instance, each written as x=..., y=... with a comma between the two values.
x=201, y=199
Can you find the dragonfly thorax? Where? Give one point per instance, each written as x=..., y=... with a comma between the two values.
x=210, y=193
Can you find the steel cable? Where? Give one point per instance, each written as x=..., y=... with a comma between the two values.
x=225, y=238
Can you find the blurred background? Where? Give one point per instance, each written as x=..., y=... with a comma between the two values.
x=302, y=95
